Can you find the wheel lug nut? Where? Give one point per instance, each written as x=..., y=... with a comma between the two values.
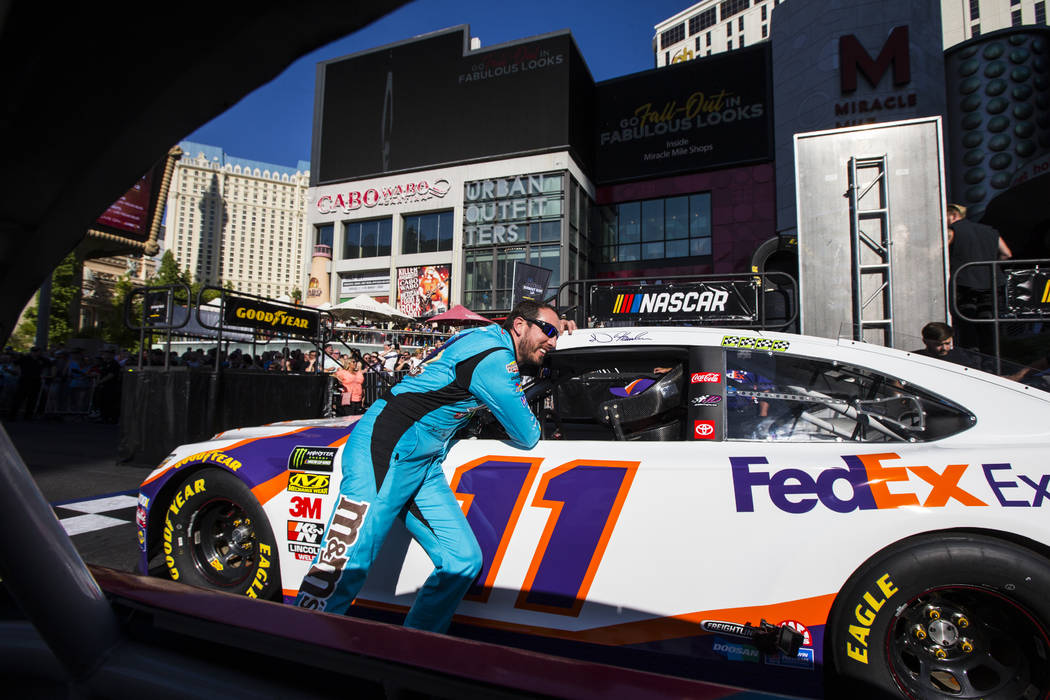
x=961, y=621
x=920, y=632
x=933, y=613
x=966, y=645
x=940, y=653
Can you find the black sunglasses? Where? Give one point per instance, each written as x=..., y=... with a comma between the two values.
x=548, y=330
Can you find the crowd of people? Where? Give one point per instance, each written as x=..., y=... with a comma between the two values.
x=61, y=381
x=74, y=381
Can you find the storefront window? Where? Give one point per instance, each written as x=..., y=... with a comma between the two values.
x=653, y=229
x=366, y=239
x=323, y=234
x=427, y=233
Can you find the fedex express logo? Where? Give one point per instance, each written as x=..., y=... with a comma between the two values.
x=874, y=482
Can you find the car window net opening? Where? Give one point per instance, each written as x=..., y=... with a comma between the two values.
x=616, y=396
x=787, y=398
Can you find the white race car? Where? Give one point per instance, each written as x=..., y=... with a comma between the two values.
x=690, y=484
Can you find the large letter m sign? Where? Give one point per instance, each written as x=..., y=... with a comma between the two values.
x=853, y=58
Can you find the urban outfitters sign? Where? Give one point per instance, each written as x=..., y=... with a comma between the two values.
x=495, y=211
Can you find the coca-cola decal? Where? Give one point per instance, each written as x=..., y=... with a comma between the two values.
x=705, y=378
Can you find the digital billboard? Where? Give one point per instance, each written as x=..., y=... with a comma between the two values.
x=132, y=214
x=432, y=101
x=690, y=116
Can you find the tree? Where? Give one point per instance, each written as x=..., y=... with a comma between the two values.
x=65, y=294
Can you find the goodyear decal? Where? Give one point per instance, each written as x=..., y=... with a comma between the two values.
x=864, y=614
x=177, y=503
x=745, y=343
x=880, y=482
x=314, y=458
x=305, y=482
x=215, y=457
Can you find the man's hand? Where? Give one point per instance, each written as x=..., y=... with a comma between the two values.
x=567, y=326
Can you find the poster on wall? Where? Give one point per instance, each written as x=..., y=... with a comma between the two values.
x=530, y=282
x=422, y=290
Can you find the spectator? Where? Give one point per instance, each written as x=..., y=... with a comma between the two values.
x=108, y=389
x=970, y=242
x=939, y=341
x=31, y=368
x=351, y=377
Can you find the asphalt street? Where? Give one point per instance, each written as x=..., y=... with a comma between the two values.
x=74, y=464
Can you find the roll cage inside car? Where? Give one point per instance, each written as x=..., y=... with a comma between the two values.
x=659, y=393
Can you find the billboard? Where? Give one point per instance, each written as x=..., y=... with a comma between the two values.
x=686, y=117
x=422, y=290
x=432, y=101
x=132, y=214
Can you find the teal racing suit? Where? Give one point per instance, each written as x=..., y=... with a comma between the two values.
x=392, y=468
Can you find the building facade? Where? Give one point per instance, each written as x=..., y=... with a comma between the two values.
x=238, y=222
x=713, y=26
x=658, y=173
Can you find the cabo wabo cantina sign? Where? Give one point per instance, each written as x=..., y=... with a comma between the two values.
x=684, y=117
x=697, y=301
x=248, y=313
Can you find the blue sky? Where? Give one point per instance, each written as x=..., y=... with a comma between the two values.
x=273, y=124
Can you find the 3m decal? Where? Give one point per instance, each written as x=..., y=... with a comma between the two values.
x=868, y=479
x=744, y=343
x=585, y=498
x=321, y=580
x=705, y=378
x=704, y=430
x=864, y=615
x=301, y=531
x=312, y=458
x=305, y=482
x=305, y=507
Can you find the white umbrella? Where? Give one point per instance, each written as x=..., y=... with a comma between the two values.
x=364, y=306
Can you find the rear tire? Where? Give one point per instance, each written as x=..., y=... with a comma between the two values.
x=216, y=535
x=944, y=616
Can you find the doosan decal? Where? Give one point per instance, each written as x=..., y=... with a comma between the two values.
x=870, y=477
x=409, y=192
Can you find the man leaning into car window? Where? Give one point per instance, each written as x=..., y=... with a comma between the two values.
x=392, y=464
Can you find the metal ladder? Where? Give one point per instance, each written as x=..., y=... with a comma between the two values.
x=870, y=260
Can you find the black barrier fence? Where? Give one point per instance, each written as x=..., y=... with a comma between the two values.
x=767, y=300
x=162, y=410
x=163, y=407
x=1003, y=295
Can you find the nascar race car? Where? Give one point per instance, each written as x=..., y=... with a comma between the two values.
x=690, y=484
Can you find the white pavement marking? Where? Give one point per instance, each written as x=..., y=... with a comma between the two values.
x=101, y=505
x=79, y=524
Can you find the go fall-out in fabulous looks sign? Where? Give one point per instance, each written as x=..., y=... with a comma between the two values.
x=709, y=112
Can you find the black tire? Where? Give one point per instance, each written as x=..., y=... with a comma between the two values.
x=943, y=616
x=216, y=536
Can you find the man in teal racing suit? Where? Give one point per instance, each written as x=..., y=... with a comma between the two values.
x=392, y=465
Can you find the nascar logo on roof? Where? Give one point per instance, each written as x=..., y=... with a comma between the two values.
x=670, y=301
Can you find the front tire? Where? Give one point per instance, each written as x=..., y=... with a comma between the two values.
x=217, y=536
x=944, y=616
